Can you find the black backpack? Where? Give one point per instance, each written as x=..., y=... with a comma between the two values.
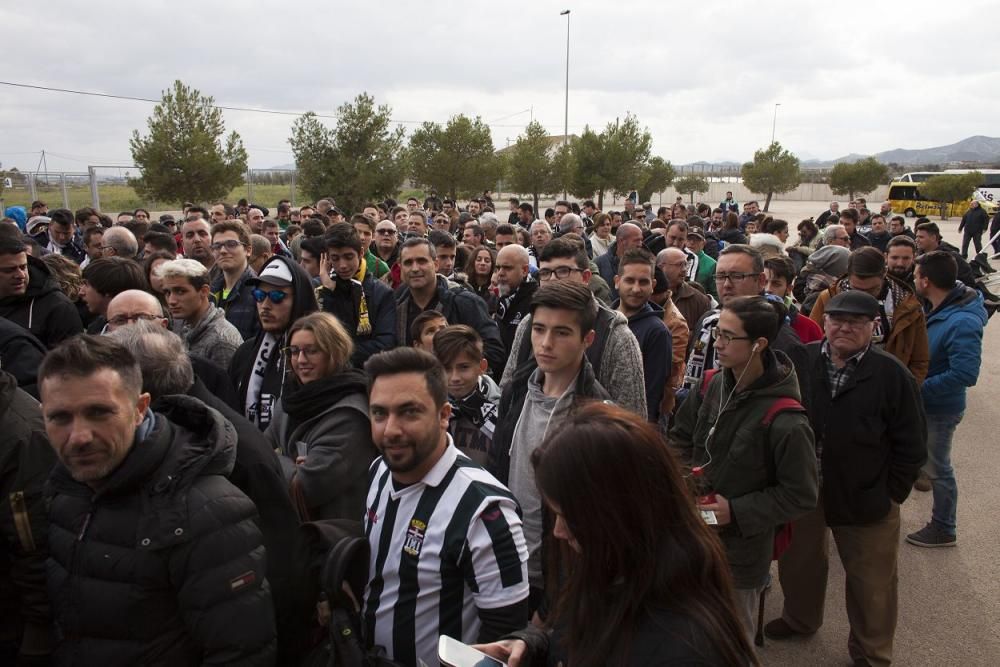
x=337, y=554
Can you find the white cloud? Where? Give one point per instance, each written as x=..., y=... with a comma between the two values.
x=704, y=77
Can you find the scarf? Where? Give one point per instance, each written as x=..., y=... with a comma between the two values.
x=266, y=381
x=349, y=303
x=302, y=402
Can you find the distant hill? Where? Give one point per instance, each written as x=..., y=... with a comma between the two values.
x=976, y=149
x=973, y=149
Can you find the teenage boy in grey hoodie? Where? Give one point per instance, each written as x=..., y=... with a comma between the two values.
x=541, y=394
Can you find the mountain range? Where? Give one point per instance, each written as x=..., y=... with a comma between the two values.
x=977, y=149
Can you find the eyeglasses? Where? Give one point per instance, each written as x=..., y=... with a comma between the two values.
x=385, y=232
x=122, y=320
x=276, y=296
x=561, y=273
x=310, y=351
x=842, y=238
x=725, y=337
x=230, y=245
x=734, y=277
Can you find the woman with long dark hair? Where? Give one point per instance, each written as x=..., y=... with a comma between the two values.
x=635, y=575
x=479, y=269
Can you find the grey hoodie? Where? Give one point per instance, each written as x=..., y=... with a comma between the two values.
x=539, y=412
x=619, y=370
x=213, y=338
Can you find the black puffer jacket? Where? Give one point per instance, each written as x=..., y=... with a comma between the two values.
x=25, y=462
x=20, y=355
x=164, y=565
x=43, y=309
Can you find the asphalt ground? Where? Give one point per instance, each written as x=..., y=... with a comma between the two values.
x=949, y=598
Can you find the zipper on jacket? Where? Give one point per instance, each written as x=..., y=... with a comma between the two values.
x=86, y=524
x=22, y=522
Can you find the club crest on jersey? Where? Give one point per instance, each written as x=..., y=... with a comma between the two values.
x=414, y=537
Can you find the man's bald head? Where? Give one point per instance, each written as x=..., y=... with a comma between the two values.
x=515, y=254
x=132, y=305
x=673, y=262
x=511, y=268
x=628, y=236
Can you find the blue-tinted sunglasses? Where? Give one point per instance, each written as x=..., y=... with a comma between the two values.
x=276, y=296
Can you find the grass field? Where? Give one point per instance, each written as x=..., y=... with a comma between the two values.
x=115, y=198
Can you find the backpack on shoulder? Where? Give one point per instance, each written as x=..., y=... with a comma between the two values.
x=336, y=555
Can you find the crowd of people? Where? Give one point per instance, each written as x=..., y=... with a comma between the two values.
x=568, y=436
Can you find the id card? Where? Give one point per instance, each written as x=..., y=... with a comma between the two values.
x=708, y=516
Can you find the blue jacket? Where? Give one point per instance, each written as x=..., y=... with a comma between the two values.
x=655, y=342
x=955, y=339
x=607, y=266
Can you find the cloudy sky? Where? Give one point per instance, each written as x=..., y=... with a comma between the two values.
x=703, y=76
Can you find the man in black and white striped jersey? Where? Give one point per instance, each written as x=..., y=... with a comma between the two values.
x=448, y=555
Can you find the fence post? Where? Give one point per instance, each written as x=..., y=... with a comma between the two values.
x=32, y=190
x=65, y=193
x=250, y=185
x=95, y=199
x=292, y=197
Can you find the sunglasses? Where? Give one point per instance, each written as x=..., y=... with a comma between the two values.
x=276, y=296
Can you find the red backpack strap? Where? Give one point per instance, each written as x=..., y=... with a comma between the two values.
x=705, y=379
x=781, y=405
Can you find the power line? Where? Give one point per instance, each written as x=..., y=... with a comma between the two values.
x=277, y=112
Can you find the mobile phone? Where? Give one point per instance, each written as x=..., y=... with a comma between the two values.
x=454, y=653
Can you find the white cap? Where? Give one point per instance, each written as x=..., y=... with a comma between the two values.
x=275, y=272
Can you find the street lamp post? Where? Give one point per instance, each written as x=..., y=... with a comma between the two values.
x=774, y=123
x=566, y=111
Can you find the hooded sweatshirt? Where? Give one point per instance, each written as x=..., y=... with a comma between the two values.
x=258, y=368
x=43, y=309
x=538, y=414
x=955, y=338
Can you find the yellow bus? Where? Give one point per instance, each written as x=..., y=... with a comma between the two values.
x=905, y=199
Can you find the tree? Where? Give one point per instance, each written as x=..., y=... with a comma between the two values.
x=950, y=189
x=182, y=158
x=773, y=170
x=613, y=160
x=656, y=175
x=457, y=159
x=361, y=159
x=861, y=177
x=688, y=185
x=530, y=169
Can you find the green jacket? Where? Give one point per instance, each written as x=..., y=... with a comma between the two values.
x=376, y=265
x=706, y=274
x=767, y=473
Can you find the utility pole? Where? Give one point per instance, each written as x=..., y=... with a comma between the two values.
x=566, y=113
x=774, y=123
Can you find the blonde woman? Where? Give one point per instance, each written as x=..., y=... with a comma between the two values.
x=320, y=426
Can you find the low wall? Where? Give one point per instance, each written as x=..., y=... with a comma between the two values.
x=805, y=192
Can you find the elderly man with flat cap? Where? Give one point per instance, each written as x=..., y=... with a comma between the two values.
x=871, y=440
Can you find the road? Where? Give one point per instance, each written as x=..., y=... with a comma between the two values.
x=949, y=599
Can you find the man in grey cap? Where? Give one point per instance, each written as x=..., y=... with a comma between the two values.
x=870, y=431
